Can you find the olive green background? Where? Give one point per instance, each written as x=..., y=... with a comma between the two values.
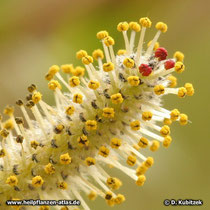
x=37, y=34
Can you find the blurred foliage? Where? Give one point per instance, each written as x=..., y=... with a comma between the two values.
x=37, y=34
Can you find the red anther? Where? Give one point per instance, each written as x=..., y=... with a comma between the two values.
x=161, y=53
x=145, y=70
x=169, y=64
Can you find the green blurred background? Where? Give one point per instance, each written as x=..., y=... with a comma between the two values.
x=37, y=34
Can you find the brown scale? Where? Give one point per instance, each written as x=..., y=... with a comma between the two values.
x=15, y=170
x=51, y=160
x=30, y=187
x=4, y=133
x=30, y=104
x=19, y=102
x=29, y=97
x=34, y=158
x=98, y=119
x=19, y=139
x=19, y=120
x=84, y=131
x=53, y=143
x=32, y=88
x=122, y=78
x=81, y=117
x=106, y=94
x=94, y=105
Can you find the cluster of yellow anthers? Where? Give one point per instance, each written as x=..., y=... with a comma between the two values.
x=108, y=117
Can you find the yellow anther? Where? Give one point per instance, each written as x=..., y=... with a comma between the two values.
x=83, y=141
x=174, y=114
x=4, y=133
x=134, y=26
x=74, y=81
x=179, y=67
x=146, y=116
x=114, y=183
x=149, y=162
x=102, y=34
x=167, y=121
x=12, y=181
x=131, y=160
x=123, y=26
x=9, y=110
x=65, y=159
x=37, y=181
x=133, y=80
x=87, y=60
x=159, y=89
x=77, y=98
x=110, y=202
x=93, y=84
x=59, y=128
x=16, y=207
x=108, y=112
x=36, y=97
x=145, y=22
x=155, y=146
x=108, y=196
x=121, y=52
x=81, y=53
x=49, y=76
x=54, y=69
x=117, y=98
x=165, y=130
x=103, y=151
x=115, y=143
x=157, y=45
x=67, y=68
x=167, y=141
x=90, y=161
x=179, y=56
x=182, y=92
x=64, y=208
x=92, y=195
x=108, y=66
x=2, y=153
x=135, y=125
x=128, y=62
x=53, y=84
x=119, y=199
x=173, y=81
x=91, y=125
x=8, y=125
x=109, y=41
x=34, y=144
x=49, y=169
x=44, y=208
x=136, y=146
x=70, y=110
x=98, y=54
x=62, y=185
x=79, y=71
x=189, y=88
x=183, y=119
x=161, y=26
x=140, y=181
x=143, y=142
x=141, y=169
